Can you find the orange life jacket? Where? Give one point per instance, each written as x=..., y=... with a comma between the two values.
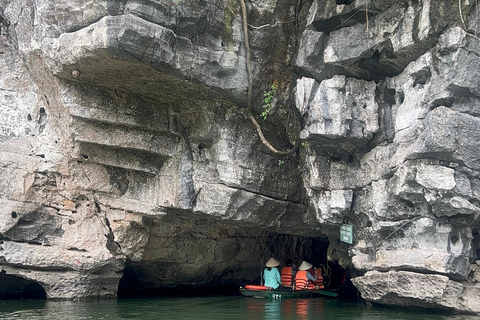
x=286, y=275
x=301, y=281
x=319, y=281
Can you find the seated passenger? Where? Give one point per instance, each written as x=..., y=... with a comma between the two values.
x=288, y=273
x=319, y=283
x=305, y=277
x=271, y=275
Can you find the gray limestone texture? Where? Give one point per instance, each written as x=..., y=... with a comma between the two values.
x=125, y=144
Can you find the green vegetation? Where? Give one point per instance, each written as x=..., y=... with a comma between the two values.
x=268, y=102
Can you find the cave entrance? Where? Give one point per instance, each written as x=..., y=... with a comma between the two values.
x=13, y=287
x=140, y=280
x=235, y=260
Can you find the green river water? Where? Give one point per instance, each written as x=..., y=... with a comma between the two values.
x=210, y=308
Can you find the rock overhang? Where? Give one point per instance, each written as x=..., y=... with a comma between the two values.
x=128, y=53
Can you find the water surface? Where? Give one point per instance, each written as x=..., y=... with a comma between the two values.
x=211, y=308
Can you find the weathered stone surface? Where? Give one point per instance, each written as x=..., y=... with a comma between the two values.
x=341, y=113
x=419, y=290
x=37, y=240
x=138, y=133
x=332, y=14
x=156, y=35
x=123, y=148
x=121, y=47
x=445, y=251
x=416, y=175
x=458, y=133
x=377, y=47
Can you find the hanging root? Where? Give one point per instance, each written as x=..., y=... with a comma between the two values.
x=461, y=14
x=249, y=90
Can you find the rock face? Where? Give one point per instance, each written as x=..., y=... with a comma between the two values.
x=125, y=148
x=410, y=178
x=428, y=291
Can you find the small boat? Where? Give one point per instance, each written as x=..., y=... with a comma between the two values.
x=267, y=292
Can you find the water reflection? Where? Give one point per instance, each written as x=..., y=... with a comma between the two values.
x=273, y=310
x=300, y=309
x=263, y=309
x=211, y=308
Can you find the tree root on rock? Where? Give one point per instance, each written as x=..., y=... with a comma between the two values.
x=249, y=91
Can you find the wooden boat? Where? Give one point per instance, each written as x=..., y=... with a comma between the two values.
x=267, y=292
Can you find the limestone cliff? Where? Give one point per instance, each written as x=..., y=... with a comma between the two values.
x=125, y=148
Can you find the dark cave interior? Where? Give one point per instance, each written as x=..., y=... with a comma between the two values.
x=13, y=287
x=135, y=282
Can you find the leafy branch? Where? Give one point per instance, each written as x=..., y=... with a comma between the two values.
x=268, y=97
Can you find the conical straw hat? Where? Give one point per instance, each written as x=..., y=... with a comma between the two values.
x=272, y=263
x=305, y=266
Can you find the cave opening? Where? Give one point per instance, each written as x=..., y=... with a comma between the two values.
x=136, y=283
x=13, y=287
x=154, y=278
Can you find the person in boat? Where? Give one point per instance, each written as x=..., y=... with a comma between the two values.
x=271, y=275
x=288, y=273
x=319, y=283
x=305, y=277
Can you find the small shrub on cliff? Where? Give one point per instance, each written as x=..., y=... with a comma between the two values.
x=268, y=97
